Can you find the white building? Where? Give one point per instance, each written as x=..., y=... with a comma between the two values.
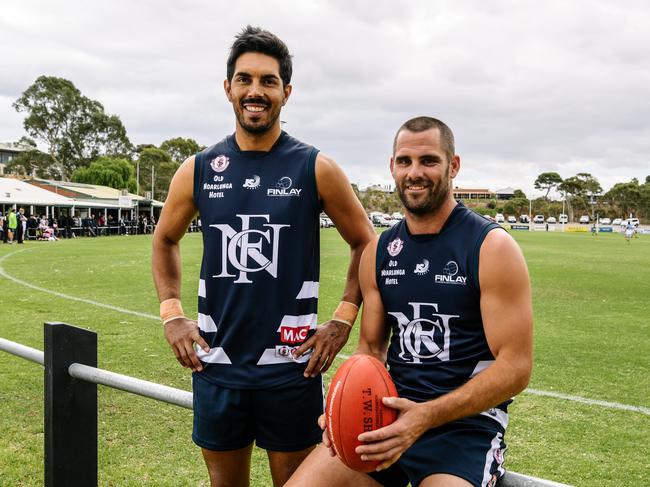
x=9, y=150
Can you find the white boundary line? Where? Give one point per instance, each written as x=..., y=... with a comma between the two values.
x=568, y=397
x=4, y=274
x=536, y=392
x=594, y=402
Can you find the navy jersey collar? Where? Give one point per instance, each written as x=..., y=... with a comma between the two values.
x=232, y=143
x=426, y=236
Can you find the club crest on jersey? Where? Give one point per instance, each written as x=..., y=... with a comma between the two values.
x=252, y=249
x=450, y=275
x=283, y=188
x=252, y=183
x=219, y=163
x=395, y=247
x=284, y=351
x=421, y=268
x=425, y=336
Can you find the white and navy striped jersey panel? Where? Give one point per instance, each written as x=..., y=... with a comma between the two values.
x=258, y=289
x=431, y=295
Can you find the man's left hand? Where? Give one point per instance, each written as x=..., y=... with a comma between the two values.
x=325, y=344
x=388, y=443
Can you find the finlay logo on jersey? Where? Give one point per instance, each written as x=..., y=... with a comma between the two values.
x=252, y=249
x=425, y=334
x=450, y=275
x=283, y=188
x=219, y=163
x=252, y=183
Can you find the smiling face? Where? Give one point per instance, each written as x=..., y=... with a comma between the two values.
x=422, y=171
x=257, y=93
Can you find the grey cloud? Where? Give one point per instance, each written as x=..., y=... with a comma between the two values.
x=527, y=87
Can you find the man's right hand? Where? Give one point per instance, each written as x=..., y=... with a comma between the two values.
x=182, y=334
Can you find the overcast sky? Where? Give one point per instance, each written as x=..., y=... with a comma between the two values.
x=526, y=86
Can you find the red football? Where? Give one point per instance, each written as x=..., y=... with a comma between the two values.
x=354, y=405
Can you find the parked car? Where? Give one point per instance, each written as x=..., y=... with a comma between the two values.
x=584, y=219
x=616, y=221
x=563, y=218
x=380, y=221
x=512, y=219
x=633, y=221
x=397, y=216
x=538, y=219
x=499, y=218
x=489, y=217
x=605, y=221
x=551, y=219
x=524, y=219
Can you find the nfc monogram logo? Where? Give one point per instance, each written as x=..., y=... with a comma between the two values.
x=247, y=250
x=423, y=338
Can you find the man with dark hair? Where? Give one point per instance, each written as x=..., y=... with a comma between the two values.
x=254, y=39
x=21, y=227
x=451, y=292
x=256, y=351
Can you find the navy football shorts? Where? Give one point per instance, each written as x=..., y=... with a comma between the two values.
x=283, y=418
x=470, y=448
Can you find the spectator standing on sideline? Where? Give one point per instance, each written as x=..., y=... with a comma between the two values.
x=22, y=225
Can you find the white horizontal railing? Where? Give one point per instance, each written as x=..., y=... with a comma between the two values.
x=183, y=399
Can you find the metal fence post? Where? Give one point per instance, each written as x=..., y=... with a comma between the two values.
x=70, y=408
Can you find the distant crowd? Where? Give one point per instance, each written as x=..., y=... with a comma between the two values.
x=16, y=226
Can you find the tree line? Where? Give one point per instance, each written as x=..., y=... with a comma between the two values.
x=583, y=193
x=580, y=194
x=87, y=145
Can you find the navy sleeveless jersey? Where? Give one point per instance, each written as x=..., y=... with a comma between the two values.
x=430, y=290
x=258, y=289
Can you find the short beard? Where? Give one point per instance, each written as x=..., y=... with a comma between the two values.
x=255, y=129
x=436, y=196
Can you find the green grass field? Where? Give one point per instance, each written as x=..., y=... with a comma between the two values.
x=592, y=340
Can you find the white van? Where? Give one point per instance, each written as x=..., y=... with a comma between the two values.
x=633, y=221
x=563, y=218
